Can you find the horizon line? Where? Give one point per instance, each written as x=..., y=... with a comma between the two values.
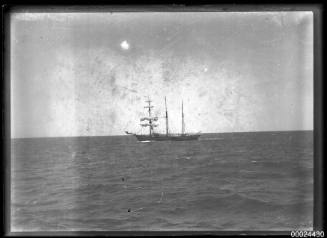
x=227, y=132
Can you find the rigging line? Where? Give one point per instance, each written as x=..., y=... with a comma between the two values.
x=126, y=125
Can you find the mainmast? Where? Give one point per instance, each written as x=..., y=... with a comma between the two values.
x=183, y=123
x=166, y=117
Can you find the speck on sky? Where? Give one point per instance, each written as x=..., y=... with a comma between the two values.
x=124, y=45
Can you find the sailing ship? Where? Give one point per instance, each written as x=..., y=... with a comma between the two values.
x=151, y=123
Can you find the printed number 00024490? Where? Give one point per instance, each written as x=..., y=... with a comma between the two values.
x=307, y=234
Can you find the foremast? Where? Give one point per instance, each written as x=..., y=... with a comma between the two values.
x=150, y=119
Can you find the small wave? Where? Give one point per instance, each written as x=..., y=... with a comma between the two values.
x=250, y=174
x=183, y=157
x=163, y=222
x=98, y=187
x=138, y=209
x=40, y=202
x=235, y=202
x=173, y=211
x=105, y=220
x=210, y=139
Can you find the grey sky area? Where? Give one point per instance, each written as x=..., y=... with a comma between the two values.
x=79, y=74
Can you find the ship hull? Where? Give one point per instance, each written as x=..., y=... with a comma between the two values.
x=167, y=138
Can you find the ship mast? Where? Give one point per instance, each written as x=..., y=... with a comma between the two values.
x=166, y=117
x=183, y=123
x=150, y=119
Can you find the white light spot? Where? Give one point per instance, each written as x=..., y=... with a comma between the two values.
x=205, y=69
x=124, y=45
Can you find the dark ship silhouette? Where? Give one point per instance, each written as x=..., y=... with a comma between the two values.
x=153, y=136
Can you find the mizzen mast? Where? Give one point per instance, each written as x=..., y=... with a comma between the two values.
x=183, y=123
x=166, y=117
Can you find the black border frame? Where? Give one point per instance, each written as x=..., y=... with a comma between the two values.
x=317, y=9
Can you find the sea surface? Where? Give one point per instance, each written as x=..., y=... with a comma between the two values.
x=232, y=181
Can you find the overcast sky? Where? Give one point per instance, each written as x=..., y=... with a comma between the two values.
x=78, y=74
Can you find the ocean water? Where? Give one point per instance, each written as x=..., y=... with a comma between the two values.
x=233, y=181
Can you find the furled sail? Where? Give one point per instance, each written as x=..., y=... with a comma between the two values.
x=149, y=119
x=152, y=125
